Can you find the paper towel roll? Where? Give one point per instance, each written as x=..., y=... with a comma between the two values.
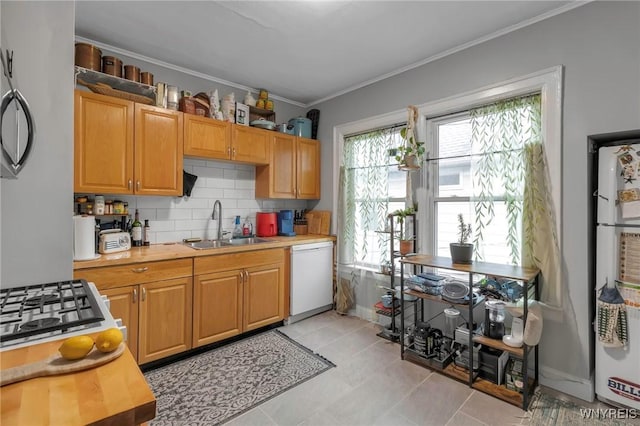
x=84, y=237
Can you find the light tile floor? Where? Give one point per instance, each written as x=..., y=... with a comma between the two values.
x=371, y=385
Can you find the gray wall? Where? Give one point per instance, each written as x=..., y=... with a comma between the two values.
x=599, y=46
x=36, y=209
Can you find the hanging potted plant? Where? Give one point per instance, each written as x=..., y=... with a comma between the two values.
x=409, y=154
x=462, y=251
x=406, y=242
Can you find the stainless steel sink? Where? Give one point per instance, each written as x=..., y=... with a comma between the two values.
x=246, y=241
x=207, y=244
x=212, y=244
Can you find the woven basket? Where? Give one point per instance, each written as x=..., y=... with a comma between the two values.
x=105, y=89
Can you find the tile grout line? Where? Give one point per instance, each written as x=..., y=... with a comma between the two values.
x=465, y=414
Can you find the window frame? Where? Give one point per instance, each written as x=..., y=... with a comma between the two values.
x=548, y=83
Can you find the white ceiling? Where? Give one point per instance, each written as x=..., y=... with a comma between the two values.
x=303, y=52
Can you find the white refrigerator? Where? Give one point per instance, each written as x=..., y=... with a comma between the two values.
x=617, y=249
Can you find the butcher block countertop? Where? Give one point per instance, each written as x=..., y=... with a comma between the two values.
x=115, y=393
x=158, y=252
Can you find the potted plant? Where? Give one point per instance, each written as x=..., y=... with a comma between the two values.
x=462, y=251
x=409, y=154
x=406, y=243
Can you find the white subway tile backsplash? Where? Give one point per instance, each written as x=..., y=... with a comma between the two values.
x=173, y=214
x=173, y=219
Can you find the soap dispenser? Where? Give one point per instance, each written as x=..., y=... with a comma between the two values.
x=247, y=228
x=237, y=230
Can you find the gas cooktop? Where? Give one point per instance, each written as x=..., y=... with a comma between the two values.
x=34, y=312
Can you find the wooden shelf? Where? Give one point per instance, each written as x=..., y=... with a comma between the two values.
x=484, y=268
x=122, y=84
x=462, y=375
x=498, y=344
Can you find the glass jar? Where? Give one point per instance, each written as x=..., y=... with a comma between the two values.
x=125, y=205
x=100, y=205
x=118, y=207
x=108, y=207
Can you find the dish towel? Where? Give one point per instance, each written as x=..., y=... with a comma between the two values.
x=613, y=331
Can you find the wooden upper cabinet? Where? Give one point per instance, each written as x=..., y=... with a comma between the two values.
x=158, y=151
x=293, y=171
x=278, y=180
x=206, y=137
x=250, y=145
x=308, y=169
x=103, y=145
x=126, y=148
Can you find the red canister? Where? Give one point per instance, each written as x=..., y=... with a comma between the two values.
x=266, y=224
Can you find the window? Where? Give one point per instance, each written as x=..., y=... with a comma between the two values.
x=478, y=170
x=371, y=187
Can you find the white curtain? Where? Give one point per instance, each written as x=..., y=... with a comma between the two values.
x=510, y=178
x=363, y=208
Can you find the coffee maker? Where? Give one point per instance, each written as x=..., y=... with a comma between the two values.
x=285, y=223
x=494, y=319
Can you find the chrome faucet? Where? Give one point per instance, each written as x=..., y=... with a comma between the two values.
x=217, y=206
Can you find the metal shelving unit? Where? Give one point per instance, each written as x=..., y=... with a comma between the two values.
x=394, y=230
x=529, y=278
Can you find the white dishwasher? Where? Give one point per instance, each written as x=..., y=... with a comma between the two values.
x=311, y=280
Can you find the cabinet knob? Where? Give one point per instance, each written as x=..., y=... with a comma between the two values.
x=138, y=185
x=241, y=276
x=246, y=276
x=234, y=153
x=135, y=295
x=140, y=270
x=229, y=150
x=129, y=184
x=144, y=294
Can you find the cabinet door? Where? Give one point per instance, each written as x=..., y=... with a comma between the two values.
x=217, y=308
x=308, y=169
x=124, y=305
x=206, y=137
x=103, y=144
x=263, y=296
x=158, y=151
x=250, y=145
x=278, y=180
x=165, y=319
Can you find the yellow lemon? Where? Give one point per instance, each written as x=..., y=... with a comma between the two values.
x=109, y=340
x=76, y=347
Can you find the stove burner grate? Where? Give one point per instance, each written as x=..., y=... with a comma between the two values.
x=42, y=299
x=39, y=323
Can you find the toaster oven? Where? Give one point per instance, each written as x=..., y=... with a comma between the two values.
x=113, y=240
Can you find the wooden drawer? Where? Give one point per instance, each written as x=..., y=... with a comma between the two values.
x=227, y=262
x=136, y=273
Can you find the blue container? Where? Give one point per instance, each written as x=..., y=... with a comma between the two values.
x=285, y=223
x=301, y=127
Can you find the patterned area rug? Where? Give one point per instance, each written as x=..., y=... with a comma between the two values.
x=546, y=410
x=218, y=385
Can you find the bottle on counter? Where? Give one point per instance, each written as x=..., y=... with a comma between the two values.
x=136, y=231
x=147, y=230
x=237, y=230
x=247, y=228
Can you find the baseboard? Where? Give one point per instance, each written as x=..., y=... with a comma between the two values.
x=304, y=315
x=571, y=385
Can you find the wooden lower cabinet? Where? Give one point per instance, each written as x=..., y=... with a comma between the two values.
x=165, y=319
x=217, y=309
x=237, y=292
x=263, y=296
x=154, y=301
x=124, y=305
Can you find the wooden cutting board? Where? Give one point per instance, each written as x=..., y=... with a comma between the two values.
x=319, y=222
x=55, y=364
